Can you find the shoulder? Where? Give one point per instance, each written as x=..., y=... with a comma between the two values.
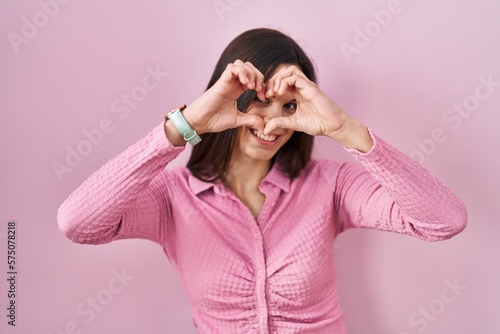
x=178, y=176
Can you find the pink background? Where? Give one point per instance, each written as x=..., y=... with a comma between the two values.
x=66, y=77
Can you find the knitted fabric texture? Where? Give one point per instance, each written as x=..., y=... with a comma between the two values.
x=273, y=274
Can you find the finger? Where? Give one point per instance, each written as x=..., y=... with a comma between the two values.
x=242, y=76
x=243, y=73
x=286, y=84
x=255, y=77
x=273, y=82
x=280, y=122
x=279, y=78
x=250, y=74
x=290, y=70
x=276, y=81
x=261, y=94
x=300, y=87
x=252, y=121
x=259, y=77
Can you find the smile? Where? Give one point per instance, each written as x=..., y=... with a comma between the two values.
x=261, y=135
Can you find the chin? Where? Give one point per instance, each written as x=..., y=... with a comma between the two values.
x=259, y=154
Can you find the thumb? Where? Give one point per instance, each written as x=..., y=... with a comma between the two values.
x=252, y=121
x=280, y=122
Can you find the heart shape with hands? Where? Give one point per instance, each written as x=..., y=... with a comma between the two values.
x=316, y=114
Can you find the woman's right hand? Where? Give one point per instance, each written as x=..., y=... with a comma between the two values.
x=215, y=110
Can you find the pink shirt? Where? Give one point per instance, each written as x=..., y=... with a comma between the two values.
x=271, y=275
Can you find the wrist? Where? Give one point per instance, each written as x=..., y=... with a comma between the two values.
x=176, y=118
x=191, y=120
x=354, y=135
x=173, y=135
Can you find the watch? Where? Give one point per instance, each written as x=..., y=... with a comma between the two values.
x=180, y=123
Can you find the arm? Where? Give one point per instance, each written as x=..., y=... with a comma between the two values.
x=129, y=196
x=395, y=193
x=125, y=198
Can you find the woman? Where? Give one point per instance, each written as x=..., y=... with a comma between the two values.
x=249, y=224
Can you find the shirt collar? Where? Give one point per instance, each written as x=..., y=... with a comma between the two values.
x=275, y=177
x=198, y=186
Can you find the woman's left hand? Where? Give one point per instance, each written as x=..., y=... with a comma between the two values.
x=316, y=113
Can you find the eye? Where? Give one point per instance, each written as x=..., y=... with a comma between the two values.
x=290, y=107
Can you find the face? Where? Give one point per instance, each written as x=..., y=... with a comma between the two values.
x=253, y=144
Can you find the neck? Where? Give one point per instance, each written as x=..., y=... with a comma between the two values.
x=245, y=176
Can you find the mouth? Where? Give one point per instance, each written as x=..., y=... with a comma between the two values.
x=262, y=136
x=265, y=140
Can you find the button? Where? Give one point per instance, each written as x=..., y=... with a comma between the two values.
x=256, y=236
x=259, y=273
x=262, y=311
x=272, y=203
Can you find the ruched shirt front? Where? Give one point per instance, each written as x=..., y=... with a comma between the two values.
x=273, y=274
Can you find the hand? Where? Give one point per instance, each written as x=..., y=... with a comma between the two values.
x=316, y=113
x=215, y=110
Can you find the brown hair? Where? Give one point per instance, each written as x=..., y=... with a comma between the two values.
x=266, y=49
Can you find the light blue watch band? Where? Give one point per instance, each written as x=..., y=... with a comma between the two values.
x=187, y=132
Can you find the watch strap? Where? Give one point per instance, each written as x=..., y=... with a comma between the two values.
x=180, y=123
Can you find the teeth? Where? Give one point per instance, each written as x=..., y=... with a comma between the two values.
x=261, y=135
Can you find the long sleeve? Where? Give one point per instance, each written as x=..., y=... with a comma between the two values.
x=125, y=198
x=395, y=193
